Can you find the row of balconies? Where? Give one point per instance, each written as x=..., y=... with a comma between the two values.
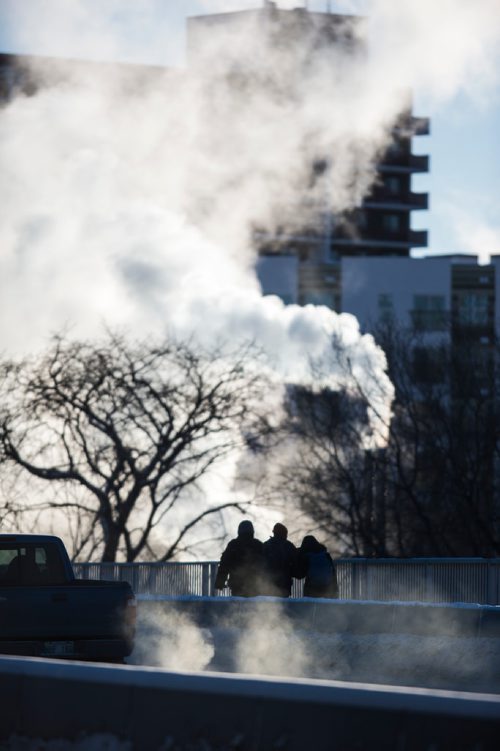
x=420, y=126
x=381, y=198
x=311, y=246
x=404, y=162
x=410, y=124
x=410, y=238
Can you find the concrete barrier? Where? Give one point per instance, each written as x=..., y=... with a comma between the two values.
x=339, y=616
x=429, y=646
x=51, y=699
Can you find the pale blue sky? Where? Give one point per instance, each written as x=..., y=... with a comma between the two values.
x=464, y=145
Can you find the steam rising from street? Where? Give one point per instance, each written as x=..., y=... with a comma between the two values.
x=262, y=637
x=170, y=640
x=131, y=198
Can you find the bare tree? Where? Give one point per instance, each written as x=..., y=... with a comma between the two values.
x=323, y=454
x=433, y=489
x=444, y=443
x=330, y=470
x=122, y=433
x=11, y=502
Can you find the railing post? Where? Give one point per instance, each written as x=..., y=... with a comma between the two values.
x=354, y=579
x=368, y=580
x=493, y=582
x=360, y=579
x=214, y=567
x=205, y=580
x=428, y=583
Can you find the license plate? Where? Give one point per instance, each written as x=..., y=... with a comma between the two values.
x=58, y=648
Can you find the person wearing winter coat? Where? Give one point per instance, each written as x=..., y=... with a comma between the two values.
x=316, y=567
x=242, y=563
x=280, y=557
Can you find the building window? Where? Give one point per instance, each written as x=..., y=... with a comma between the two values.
x=395, y=149
x=393, y=185
x=429, y=313
x=473, y=309
x=385, y=307
x=361, y=219
x=392, y=222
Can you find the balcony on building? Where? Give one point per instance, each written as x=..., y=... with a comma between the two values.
x=404, y=163
x=383, y=198
x=420, y=126
x=418, y=238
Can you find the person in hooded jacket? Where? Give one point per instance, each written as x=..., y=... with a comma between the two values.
x=241, y=566
x=280, y=559
x=316, y=567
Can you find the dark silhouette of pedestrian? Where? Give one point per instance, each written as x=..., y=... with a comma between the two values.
x=280, y=556
x=316, y=567
x=241, y=565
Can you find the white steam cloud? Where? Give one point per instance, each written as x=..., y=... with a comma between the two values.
x=171, y=640
x=439, y=48
x=270, y=644
x=442, y=48
x=130, y=198
x=264, y=638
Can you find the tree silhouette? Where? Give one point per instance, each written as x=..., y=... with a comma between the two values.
x=122, y=433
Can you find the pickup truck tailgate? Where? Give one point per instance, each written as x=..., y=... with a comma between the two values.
x=78, y=610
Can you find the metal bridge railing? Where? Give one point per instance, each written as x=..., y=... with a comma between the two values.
x=412, y=579
x=421, y=579
x=172, y=579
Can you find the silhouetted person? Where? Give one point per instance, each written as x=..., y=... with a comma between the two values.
x=315, y=565
x=280, y=557
x=22, y=570
x=241, y=564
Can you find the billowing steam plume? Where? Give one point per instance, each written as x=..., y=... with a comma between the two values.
x=132, y=198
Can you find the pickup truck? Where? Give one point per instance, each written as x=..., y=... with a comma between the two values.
x=45, y=611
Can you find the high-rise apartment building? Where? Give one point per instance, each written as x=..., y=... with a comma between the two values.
x=303, y=265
